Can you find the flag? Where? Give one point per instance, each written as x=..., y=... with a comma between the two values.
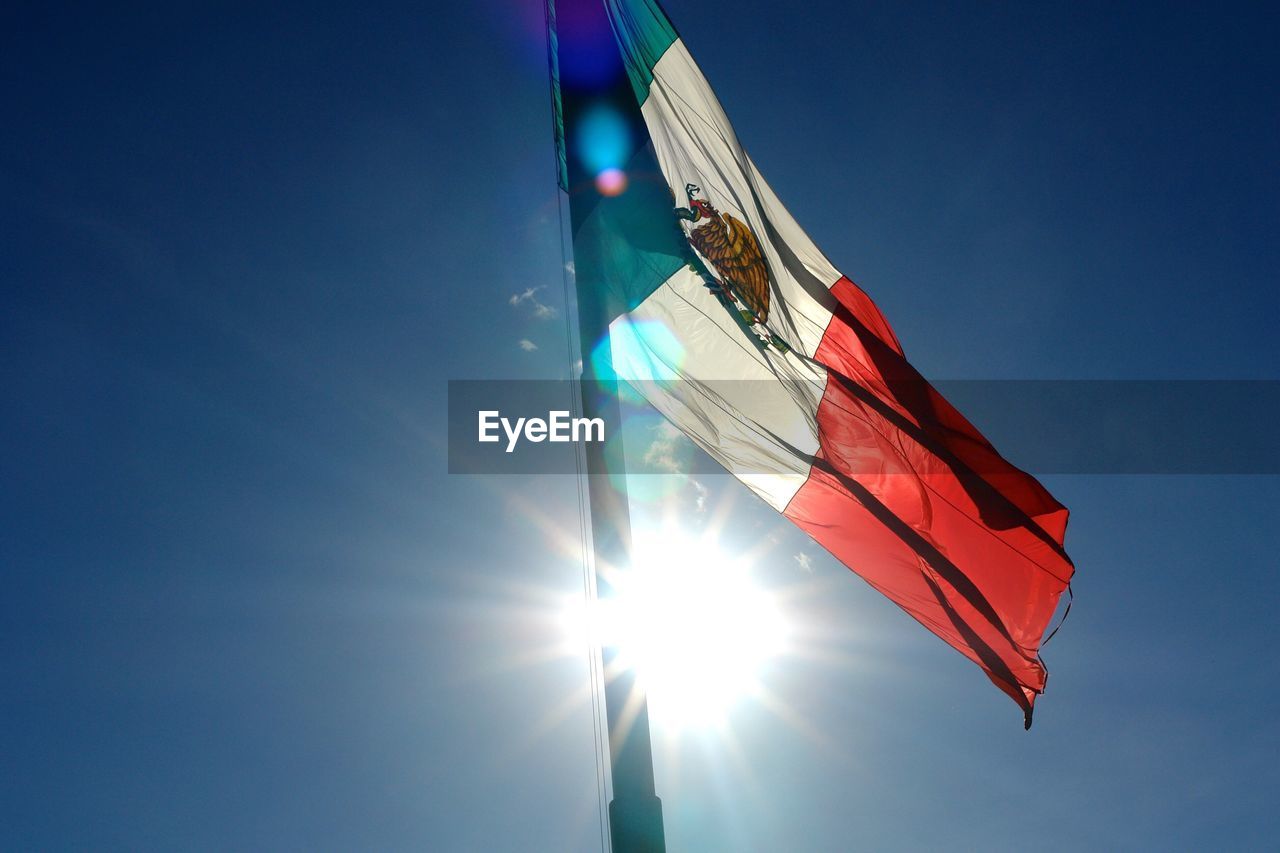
x=724, y=315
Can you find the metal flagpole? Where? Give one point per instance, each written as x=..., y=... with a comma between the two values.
x=635, y=812
x=575, y=28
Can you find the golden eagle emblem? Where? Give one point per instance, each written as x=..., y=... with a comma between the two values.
x=735, y=254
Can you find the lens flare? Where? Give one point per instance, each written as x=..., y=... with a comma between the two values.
x=611, y=182
x=592, y=61
x=602, y=140
x=641, y=351
x=693, y=625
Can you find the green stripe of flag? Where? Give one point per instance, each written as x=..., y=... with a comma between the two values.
x=644, y=34
x=625, y=245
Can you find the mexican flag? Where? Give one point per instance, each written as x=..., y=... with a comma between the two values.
x=724, y=315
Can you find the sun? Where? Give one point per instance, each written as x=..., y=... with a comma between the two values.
x=693, y=625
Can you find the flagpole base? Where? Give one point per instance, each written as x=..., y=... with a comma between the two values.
x=635, y=825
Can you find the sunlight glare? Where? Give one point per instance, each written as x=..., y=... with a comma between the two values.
x=693, y=625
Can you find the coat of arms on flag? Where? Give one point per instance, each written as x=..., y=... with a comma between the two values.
x=741, y=272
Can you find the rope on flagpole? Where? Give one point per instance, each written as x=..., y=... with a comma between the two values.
x=595, y=677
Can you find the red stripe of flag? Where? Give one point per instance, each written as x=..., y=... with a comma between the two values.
x=910, y=496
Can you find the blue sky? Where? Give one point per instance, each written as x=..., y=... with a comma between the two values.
x=245, y=248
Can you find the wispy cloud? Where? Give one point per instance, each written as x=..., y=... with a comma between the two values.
x=664, y=454
x=541, y=310
x=661, y=452
x=517, y=298
x=527, y=345
x=805, y=562
x=700, y=495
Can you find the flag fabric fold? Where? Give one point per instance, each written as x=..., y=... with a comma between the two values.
x=727, y=318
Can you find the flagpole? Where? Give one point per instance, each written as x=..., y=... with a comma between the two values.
x=635, y=812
